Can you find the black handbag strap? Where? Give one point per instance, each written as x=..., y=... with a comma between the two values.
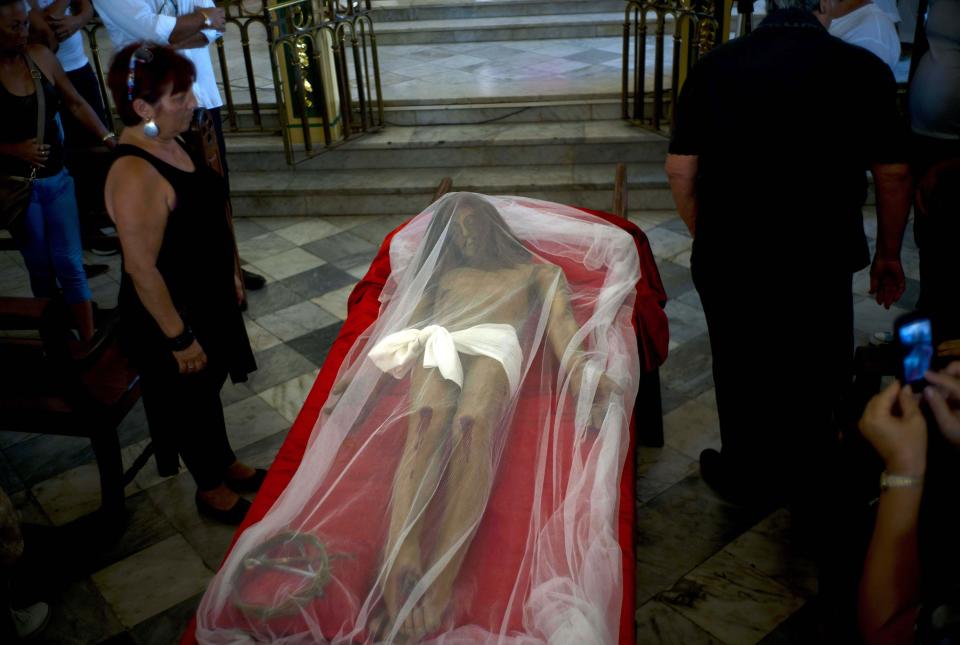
x=41, y=103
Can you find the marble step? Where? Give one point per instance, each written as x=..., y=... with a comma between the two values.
x=597, y=107
x=581, y=109
x=246, y=120
x=467, y=30
x=346, y=192
x=405, y=10
x=452, y=146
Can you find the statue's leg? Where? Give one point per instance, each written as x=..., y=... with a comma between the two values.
x=433, y=402
x=466, y=484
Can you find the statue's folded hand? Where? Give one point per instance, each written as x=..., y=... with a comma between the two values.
x=606, y=388
x=339, y=387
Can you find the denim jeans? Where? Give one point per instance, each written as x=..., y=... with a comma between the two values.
x=48, y=236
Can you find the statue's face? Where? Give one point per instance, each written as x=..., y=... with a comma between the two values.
x=464, y=231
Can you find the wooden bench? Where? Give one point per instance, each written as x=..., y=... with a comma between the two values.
x=47, y=389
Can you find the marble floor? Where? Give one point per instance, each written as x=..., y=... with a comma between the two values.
x=708, y=572
x=480, y=70
x=454, y=71
x=498, y=70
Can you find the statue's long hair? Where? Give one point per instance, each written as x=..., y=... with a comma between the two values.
x=500, y=247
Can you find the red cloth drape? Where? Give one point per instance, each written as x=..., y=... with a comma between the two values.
x=363, y=308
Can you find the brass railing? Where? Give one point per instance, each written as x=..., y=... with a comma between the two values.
x=95, y=33
x=309, y=68
x=311, y=42
x=695, y=31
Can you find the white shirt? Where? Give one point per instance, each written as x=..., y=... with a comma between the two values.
x=70, y=53
x=890, y=8
x=153, y=21
x=871, y=28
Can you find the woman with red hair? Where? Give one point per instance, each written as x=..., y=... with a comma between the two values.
x=180, y=292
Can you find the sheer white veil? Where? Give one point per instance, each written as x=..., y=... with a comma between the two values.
x=478, y=510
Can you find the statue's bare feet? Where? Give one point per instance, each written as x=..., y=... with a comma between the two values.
x=429, y=614
x=378, y=625
x=400, y=582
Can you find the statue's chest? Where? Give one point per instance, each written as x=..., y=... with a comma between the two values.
x=481, y=282
x=468, y=288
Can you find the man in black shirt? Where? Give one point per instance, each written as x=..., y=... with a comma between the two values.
x=772, y=137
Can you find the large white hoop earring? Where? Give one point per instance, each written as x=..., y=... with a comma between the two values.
x=150, y=129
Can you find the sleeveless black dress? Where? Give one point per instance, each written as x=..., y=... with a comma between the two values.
x=196, y=261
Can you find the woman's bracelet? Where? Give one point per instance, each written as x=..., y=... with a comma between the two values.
x=889, y=481
x=183, y=341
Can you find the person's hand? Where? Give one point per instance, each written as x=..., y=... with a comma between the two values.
x=949, y=348
x=887, y=282
x=192, y=359
x=898, y=435
x=30, y=151
x=342, y=384
x=64, y=26
x=238, y=287
x=943, y=396
x=217, y=16
x=339, y=387
x=822, y=13
x=606, y=388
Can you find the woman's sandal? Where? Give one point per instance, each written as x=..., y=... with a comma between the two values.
x=249, y=484
x=232, y=515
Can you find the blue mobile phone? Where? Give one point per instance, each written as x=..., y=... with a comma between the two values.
x=914, y=335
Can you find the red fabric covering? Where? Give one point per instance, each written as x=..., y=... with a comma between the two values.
x=653, y=333
x=363, y=309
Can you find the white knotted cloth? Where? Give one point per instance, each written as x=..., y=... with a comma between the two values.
x=441, y=348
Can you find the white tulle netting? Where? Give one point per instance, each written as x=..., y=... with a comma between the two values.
x=462, y=482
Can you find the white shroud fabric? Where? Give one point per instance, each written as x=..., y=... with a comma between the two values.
x=396, y=353
x=470, y=496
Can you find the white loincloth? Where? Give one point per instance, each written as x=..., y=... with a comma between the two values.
x=397, y=353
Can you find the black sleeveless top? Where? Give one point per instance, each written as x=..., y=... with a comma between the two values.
x=19, y=123
x=196, y=261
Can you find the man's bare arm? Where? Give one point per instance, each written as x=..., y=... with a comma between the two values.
x=197, y=40
x=56, y=8
x=66, y=25
x=893, y=187
x=682, y=173
x=189, y=27
x=40, y=31
x=82, y=9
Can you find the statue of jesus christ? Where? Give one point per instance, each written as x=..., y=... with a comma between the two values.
x=486, y=283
